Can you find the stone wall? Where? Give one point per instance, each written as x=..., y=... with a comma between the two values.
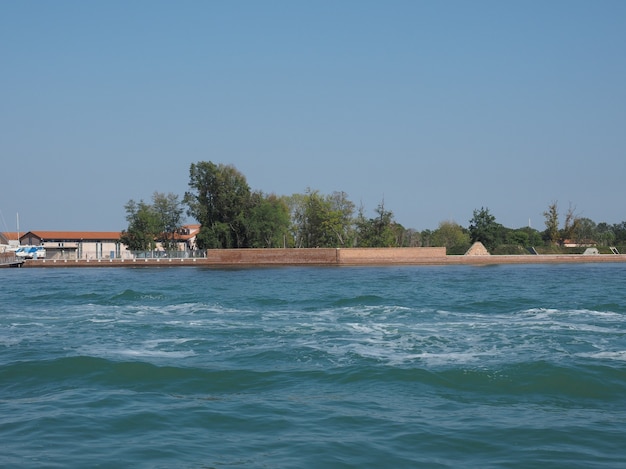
x=322, y=256
x=372, y=256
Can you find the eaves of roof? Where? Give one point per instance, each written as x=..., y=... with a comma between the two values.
x=77, y=235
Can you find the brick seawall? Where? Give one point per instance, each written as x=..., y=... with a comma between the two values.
x=329, y=257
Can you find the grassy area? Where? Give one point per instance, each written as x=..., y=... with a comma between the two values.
x=563, y=250
x=517, y=250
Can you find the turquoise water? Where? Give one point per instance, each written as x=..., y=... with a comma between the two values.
x=490, y=367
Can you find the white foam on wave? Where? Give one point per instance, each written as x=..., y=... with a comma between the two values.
x=594, y=328
x=139, y=352
x=445, y=337
x=552, y=312
x=152, y=348
x=154, y=353
x=447, y=358
x=398, y=355
x=154, y=343
x=372, y=328
x=102, y=321
x=10, y=341
x=614, y=355
x=27, y=324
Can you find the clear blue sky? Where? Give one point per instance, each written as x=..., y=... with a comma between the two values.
x=439, y=107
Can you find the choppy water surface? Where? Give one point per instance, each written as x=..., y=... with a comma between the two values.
x=502, y=366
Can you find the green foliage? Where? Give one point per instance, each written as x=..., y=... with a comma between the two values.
x=452, y=236
x=340, y=220
x=231, y=215
x=483, y=228
x=310, y=214
x=267, y=221
x=377, y=231
x=516, y=238
x=152, y=223
x=524, y=237
x=557, y=249
x=143, y=226
x=605, y=234
x=458, y=249
x=218, y=198
x=426, y=238
x=619, y=233
x=584, y=230
x=509, y=250
x=551, y=234
x=169, y=213
x=321, y=221
x=409, y=237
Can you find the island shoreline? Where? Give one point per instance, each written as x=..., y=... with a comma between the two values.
x=312, y=262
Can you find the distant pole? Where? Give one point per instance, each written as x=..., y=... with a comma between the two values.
x=17, y=219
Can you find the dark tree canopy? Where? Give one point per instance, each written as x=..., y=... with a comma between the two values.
x=552, y=223
x=143, y=226
x=267, y=222
x=152, y=223
x=484, y=228
x=169, y=213
x=218, y=198
x=378, y=231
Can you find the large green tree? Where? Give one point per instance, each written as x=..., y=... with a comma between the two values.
x=311, y=216
x=169, y=212
x=524, y=237
x=584, y=230
x=143, y=226
x=484, y=228
x=377, y=231
x=340, y=219
x=267, y=221
x=570, y=227
x=551, y=215
x=152, y=223
x=452, y=236
x=619, y=233
x=321, y=220
x=605, y=234
x=218, y=199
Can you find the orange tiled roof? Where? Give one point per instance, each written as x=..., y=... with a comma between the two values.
x=192, y=230
x=10, y=235
x=76, y=235
x=96, y=235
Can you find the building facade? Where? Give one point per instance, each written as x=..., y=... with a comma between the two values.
x=97, y=245
x=78, y=244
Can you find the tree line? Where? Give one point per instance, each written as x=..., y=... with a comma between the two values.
x=232, y=215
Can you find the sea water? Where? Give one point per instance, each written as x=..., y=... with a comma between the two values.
x=517, y=366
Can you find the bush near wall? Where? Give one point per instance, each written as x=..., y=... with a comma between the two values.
x=458, y=250
x=510, y=250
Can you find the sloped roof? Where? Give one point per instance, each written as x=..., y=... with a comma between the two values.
x=191, y=231
x=75, y=235
x=10, y=235
x=95, y=235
